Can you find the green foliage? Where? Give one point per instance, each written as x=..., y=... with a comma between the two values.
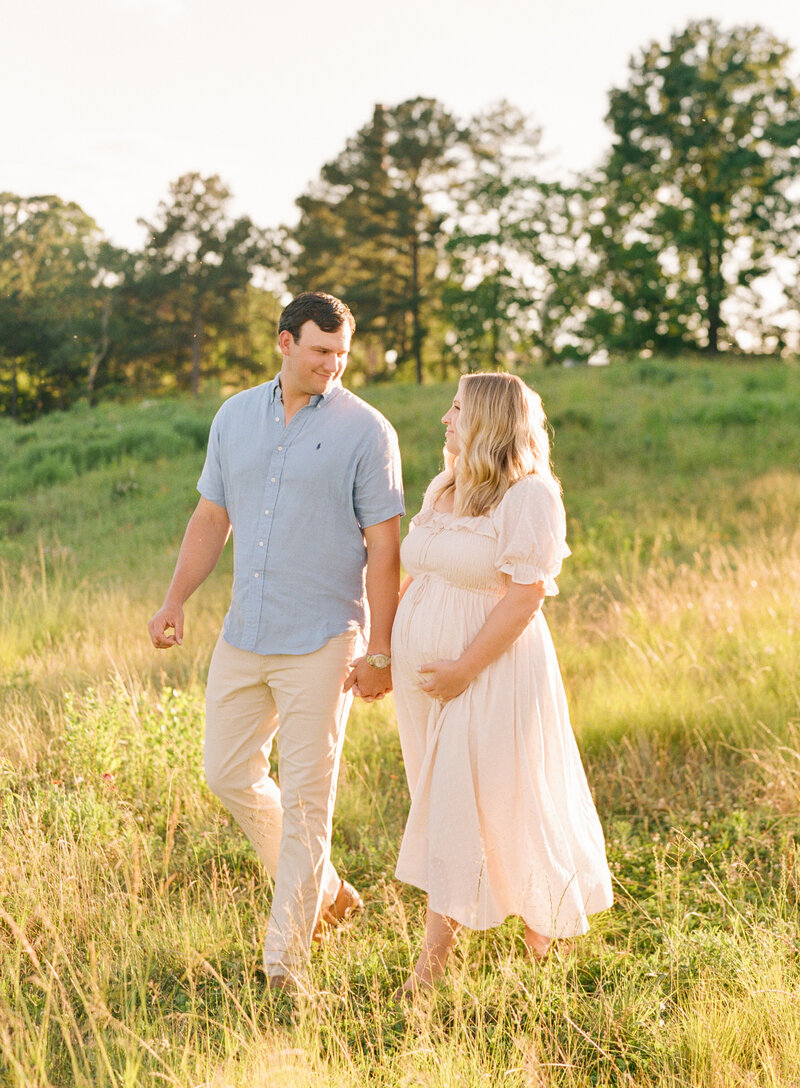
x=197, y=264
x=54, y=294
x=369, y=230
x=696, y=196
x=496, y=242
x=129, y=743
x=446, y=238
x=82, y=440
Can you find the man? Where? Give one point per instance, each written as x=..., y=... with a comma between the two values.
x=307, y=477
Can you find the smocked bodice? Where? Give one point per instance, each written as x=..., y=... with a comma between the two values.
x=458, y=550
x=522, y=539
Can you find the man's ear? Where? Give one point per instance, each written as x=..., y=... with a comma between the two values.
x=285, y=341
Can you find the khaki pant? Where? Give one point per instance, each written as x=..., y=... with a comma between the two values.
x=250, y=699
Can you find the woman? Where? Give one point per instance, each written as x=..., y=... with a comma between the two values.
x=501, y=822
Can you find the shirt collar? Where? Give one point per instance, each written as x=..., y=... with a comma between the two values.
x=275, y=392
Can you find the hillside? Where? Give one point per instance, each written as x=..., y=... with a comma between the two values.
x=131, y=912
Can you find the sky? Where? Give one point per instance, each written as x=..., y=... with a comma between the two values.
x=105, y=102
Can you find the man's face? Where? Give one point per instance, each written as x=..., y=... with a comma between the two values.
x=313, y=362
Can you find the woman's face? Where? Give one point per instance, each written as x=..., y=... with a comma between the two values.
x=450, y=420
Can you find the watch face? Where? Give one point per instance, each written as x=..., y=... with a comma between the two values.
x=378, y=661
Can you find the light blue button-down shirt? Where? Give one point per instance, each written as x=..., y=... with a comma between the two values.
x=298, y=498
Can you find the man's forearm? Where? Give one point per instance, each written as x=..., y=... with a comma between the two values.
x=382, y=583
x=200, y=550
x=202, y=545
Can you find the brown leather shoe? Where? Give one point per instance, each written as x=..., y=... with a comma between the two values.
x=347, y=903
x=281, y=984
x=287, y=984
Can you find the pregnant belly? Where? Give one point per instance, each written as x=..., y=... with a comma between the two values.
x=437, y=621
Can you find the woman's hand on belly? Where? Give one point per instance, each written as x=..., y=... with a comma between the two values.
x=444, y=680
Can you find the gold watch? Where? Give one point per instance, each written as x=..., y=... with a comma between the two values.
x=379, y=661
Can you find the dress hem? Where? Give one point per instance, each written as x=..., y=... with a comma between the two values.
x=555, y=933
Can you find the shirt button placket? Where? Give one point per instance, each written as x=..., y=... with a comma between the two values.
x=275, y=466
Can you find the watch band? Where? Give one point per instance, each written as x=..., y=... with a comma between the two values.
x=378, y=661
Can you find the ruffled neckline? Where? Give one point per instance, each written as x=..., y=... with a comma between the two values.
x=440, y=519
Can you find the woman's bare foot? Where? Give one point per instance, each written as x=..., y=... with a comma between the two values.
x=538, y=946
x=411, y=988
x=440, y=932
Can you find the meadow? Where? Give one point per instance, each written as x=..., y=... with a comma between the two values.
x=131, y=909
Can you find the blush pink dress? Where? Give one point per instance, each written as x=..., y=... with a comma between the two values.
x=502, y=821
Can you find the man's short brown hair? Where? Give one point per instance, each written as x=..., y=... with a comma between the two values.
x=326, y=311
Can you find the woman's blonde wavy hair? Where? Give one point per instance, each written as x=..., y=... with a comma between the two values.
x=503, y=435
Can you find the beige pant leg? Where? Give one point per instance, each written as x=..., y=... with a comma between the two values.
x=241, y=723
x=313, y=712
x=251, y=698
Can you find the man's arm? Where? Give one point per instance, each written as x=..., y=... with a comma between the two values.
x=382, y=581
x=202, y=546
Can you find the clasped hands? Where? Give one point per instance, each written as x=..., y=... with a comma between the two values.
x=441, y=680
x=367, y=682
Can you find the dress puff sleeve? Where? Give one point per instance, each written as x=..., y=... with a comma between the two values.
x=531, y=531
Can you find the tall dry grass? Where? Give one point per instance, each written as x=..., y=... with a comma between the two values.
x=132, y=911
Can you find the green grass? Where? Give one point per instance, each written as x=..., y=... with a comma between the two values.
x=132, y=911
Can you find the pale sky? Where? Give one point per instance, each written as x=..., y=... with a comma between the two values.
x=105, y=102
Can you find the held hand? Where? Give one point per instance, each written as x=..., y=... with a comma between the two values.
x=350, y=680
x=169, y=618
x=368, y=682
x=444, y=680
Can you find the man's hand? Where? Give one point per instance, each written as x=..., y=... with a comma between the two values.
x=203, y=541
x=169, y=618
x=368, y=682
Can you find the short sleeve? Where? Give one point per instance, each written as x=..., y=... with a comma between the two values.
x=378, y=491
x=211, y=484
x=531, y=534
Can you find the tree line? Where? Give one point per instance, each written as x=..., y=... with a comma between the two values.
x=451, y=241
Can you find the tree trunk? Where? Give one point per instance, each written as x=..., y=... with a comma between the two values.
x=416, y=335
x=372, y=363
x=197, y=350
x=495, y=329
x=101, y=351
x=711, y=267
x=713, y=327
x=13, y=406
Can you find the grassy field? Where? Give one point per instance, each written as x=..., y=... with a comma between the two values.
x=132, y=911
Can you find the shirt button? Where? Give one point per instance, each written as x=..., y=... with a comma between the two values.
x=261, y=543
x=280, y=448
x=256, y=575
x=277, y=419
x=272, y=481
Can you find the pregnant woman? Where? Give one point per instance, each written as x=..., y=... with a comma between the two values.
x=502, y=822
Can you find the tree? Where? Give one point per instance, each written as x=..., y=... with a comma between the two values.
x=371, y=228
x=197, y=262
x=497, y=275
x=248, y=351
x=341, y=243
x=55, y=283
x=707, y=146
